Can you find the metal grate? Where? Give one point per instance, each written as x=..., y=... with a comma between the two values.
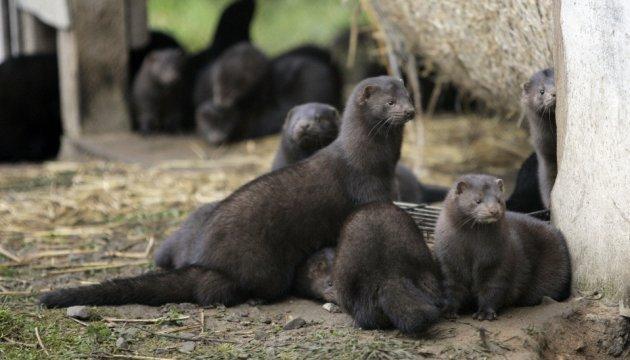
x=424, y=215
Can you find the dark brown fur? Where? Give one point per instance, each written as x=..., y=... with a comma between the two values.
x=237, y=112
x=492, y=259
x=313, y=278
x=256, y=237
x=156, y=92
x=539, y=104
x=312, y=126
x=307, y=129
x=384, y=274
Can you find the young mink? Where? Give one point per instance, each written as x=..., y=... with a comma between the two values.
x=526, y=195
x=312, y=126
x=233, y=27
x=313, y=278
x=238, y=110
x=384, y=274
x=156, y=92
x=253, y=241
x=492, y=259
x=307, y=128
x=539, y=104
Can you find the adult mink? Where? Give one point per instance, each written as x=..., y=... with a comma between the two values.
x=384, y=274
x=255, y=238
x=312, y=126
x=261, y=92
x=492, y=259
x=157, y=103
x=539, y=103
x=526, y=195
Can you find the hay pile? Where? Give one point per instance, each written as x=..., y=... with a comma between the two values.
x=488, y=48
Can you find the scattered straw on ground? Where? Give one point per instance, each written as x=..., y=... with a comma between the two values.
x=64, y=224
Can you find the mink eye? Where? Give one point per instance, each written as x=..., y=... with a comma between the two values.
x=542, y=91
x=391, y=102
x=478, y=201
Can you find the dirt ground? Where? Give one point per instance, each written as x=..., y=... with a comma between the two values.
x=71, y=223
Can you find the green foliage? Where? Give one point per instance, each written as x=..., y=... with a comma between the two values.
x=278, y=24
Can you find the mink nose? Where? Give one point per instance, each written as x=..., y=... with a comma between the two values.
x=495, y=211
x=410, y=113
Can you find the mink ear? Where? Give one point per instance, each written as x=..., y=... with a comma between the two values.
x=288, y=117
x=500, y=184
x=526, y=85
x=367, y=91
x=461, y=186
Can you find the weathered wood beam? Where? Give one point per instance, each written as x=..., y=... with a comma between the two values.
x=591, y=196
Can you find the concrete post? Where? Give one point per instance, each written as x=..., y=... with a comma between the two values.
x=591, y=198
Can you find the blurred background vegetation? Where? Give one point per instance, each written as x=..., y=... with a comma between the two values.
x=278, y=24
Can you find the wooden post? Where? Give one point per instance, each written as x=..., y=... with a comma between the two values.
x=591, y=198
x=37, y=37
x=137, y=23
x=5, y=31
x=93, y=62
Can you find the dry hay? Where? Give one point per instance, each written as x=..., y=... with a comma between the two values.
x=487, y=48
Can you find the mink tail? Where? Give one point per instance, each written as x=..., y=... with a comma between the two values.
x=192, y=284
x=408, y=308
x=433, y=193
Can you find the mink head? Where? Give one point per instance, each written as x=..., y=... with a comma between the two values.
x=166, y=65
x=539, y=92
x=385, y=102
x=320, y=273
x=479, y=198
x=236, y=73
x=312, y=126
x=215, y=124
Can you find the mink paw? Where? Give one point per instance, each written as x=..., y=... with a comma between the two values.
x=485, y=315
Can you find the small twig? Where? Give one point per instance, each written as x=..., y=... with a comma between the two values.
x=40, y=342
x=354, y=36
x=16, y=293
x=78, y=321
x=10, y=255
x=138, y=357
x=184, y=338
x=55, y=253
x=202, y=321
x=10, y=341
x=135, y=255
x=145, y=321
x=98, y=267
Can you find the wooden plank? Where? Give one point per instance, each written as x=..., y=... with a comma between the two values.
x=37, y=37
x=5, y=35
x=93, y=68
x=137, y=23
x=591, y=196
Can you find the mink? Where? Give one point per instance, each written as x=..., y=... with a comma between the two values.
x=384, y=274
x=253, y=241
x=492, y=258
